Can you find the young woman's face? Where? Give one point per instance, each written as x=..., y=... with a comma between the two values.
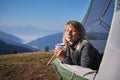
x=70, y=34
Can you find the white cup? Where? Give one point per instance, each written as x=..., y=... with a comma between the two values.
x=61, y=45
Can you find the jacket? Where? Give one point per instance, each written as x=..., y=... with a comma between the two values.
x=85, y=56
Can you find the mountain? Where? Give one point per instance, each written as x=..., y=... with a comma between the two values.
x=10, y=43
x=9, y=48
x=26, y=30
x=8, y=37
x=50, y=41
x=27, y=33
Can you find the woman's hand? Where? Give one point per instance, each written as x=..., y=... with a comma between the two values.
x=60, y=54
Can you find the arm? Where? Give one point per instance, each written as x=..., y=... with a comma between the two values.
x=62, y=56
x=87, y=56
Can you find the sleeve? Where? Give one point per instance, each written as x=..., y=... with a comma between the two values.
x=87, y=56
x=68, y=60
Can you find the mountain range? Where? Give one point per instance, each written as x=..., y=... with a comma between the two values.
x=10, y=43
x=9, y=37
x=27, y=33
x=49, y=40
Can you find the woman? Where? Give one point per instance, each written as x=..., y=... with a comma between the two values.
x=78, y=50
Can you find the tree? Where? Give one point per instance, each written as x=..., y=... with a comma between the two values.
x=14, y=52
x=46, y=48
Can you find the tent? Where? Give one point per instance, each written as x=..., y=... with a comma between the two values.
x=102, y=22
x=110, y=65
x=97, y=22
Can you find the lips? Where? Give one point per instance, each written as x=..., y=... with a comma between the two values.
x=69, y=37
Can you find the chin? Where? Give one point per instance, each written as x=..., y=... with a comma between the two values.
x=70, y=41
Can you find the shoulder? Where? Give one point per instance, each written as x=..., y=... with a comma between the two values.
x=87, y=44
x=89, y=47
x=84, y=45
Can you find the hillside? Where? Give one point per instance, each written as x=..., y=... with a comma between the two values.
x=27, y=66
x=11, y=48
x=49, y=40
x=10, y=43
x=9, y=37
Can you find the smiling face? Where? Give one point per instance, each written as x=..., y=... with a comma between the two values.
x=71, y=33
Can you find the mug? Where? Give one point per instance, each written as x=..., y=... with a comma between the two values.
x=61, y=45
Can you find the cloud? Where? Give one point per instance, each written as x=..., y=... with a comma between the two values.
x=27, y=33
x=27, y=38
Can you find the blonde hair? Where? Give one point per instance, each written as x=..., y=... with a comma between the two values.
x=78, y=27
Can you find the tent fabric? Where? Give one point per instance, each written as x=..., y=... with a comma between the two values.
x=99, y=16
x=110, y=65
x=97, y=22
x=73, y=72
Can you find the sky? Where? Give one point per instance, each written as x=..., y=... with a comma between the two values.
x=47, y=15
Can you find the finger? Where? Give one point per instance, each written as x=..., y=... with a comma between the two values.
x=55, y=52
x=57, y=47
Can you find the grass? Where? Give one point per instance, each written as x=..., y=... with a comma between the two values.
x=27, y=66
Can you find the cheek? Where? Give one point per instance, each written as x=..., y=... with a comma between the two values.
x=76, y=36
x=66, y=34
x=67, y=38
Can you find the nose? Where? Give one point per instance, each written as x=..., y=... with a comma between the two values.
x=70, y=32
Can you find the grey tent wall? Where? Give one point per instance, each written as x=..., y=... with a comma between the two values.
x=97, y=22
x=110, y=65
